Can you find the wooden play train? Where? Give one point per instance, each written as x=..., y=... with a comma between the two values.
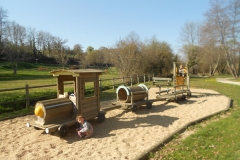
x=56, y=115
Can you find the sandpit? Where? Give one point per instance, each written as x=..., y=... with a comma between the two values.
x=123, y=135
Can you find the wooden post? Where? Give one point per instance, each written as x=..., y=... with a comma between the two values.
x=27, y=96
x=159, y=90
x=100, y=85
x=113, y=83
x=117, y=97
x=78, y=94
x=174, y=74
x=98, y=92
x=131, y=80
x=131, y=97
x=138, y=79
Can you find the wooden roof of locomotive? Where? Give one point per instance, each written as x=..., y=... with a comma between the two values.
x=75, y=72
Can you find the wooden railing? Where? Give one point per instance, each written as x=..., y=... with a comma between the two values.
x=113, y=83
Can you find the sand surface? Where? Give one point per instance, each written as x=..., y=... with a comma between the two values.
x=123, y=135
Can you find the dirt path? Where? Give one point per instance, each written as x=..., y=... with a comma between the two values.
x=226, y=80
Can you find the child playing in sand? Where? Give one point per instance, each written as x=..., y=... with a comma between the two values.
x=85, y=129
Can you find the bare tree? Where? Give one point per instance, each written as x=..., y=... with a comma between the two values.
x=104, y=52
x=60, y=51
x=127, y=55
x=77, y=50
x=210, y=51
x=32, y=41
x=79, y=54
x=16, y=38
x=90, y=56
x=158, y=57
x=48, y=44
x=190, y=37
x=225, y=17
x=3, y=22
x=95, y=57
x=193, y=53
x=41, y=43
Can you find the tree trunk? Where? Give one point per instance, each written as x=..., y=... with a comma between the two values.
x=238, y=63
x=216, y=65
x=231, y=67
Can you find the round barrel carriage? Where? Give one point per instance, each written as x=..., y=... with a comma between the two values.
x=60, y=113
x=133, y=97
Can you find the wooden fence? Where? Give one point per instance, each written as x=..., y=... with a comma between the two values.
x=113, y=83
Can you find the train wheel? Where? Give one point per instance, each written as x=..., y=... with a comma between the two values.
x=134, y=108
x=63, y=130
x=148, y=105
x=183, y=97
x=36, y=128
x=176, y=99
x=101, y=117
x=189, y=94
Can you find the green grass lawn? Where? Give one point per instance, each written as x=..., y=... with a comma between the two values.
x=214, y=138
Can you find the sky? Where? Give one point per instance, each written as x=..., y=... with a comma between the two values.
x=102, y=23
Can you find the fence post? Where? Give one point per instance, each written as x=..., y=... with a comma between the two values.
x=131, y=80
x=138, y=79
x=27, y=96
x=100, y=85
x=113, y=83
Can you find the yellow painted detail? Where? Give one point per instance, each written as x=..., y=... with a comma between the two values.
x=38, y=111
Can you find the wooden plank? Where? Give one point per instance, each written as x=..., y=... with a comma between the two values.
x=53, y=102
x=163, y=91
x=90, y=110
x=181, y=91
x=139, y=92
x=58, y=112
x=66, y=77
x=91, y=104
x=88, y=75
x=97, y=89
x=57, y=118
x=161, y=79
x=90, y=113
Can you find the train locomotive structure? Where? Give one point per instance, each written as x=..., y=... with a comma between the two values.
x=60, y=113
